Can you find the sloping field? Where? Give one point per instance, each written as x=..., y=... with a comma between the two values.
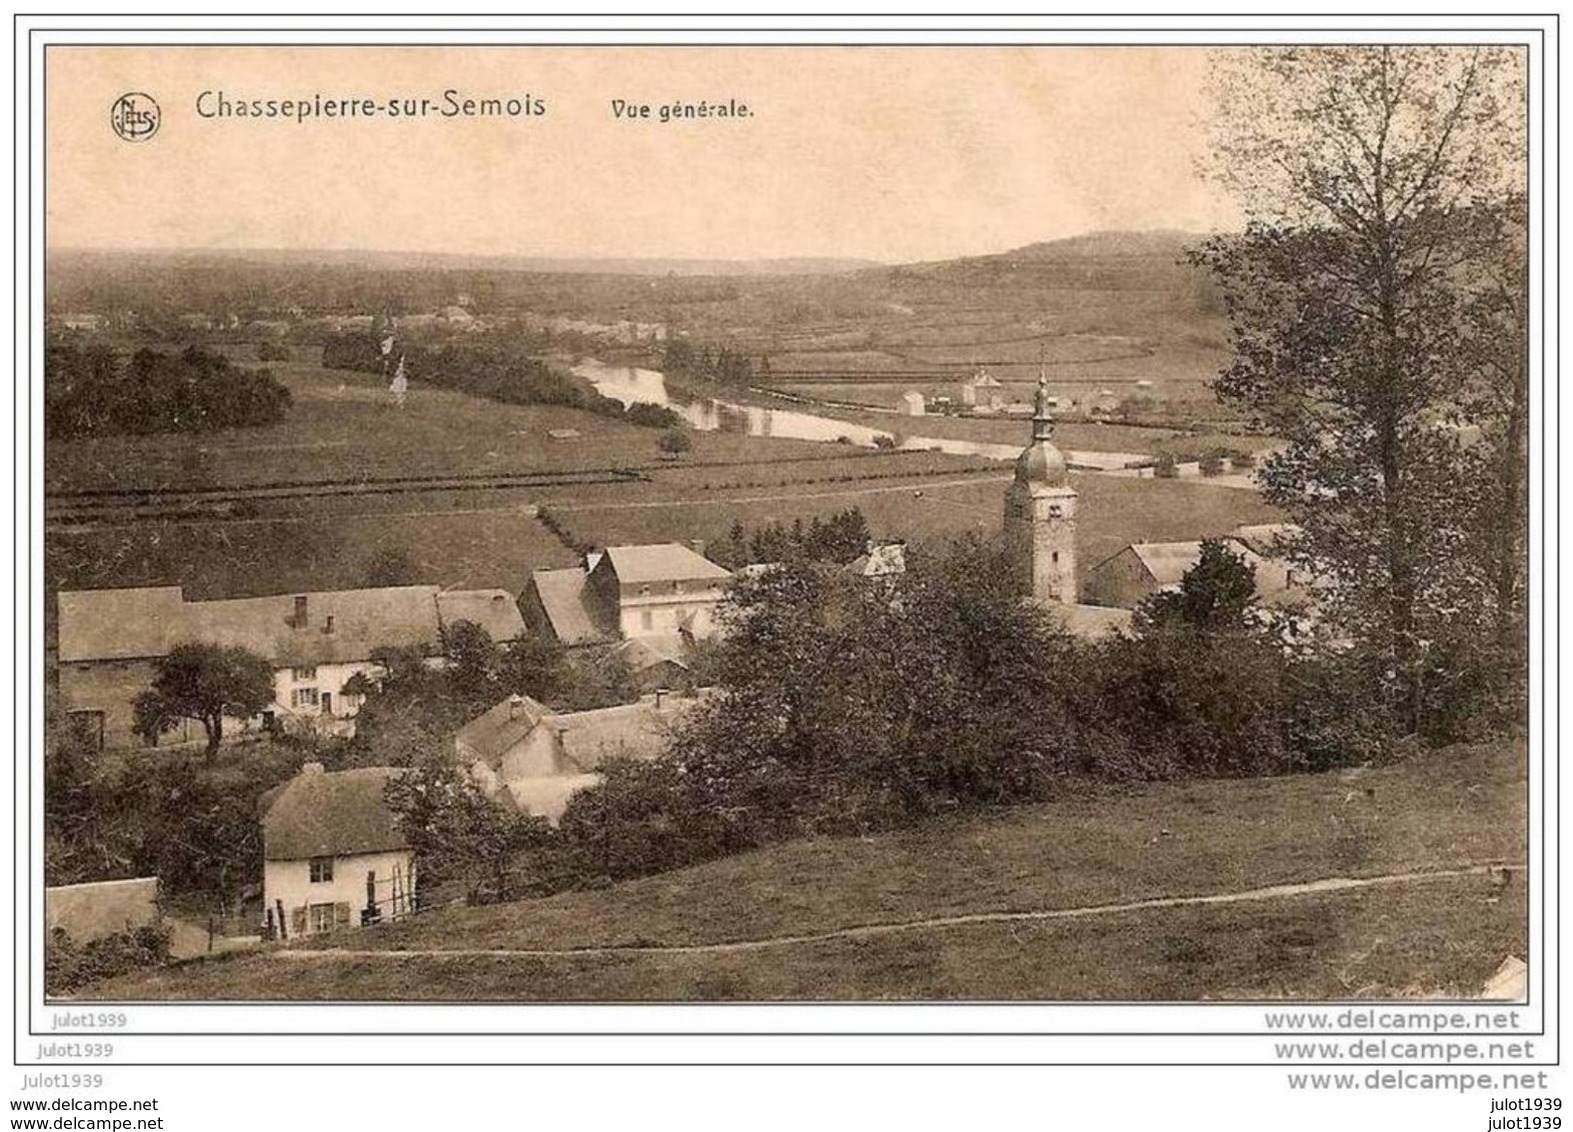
x=1440, y=811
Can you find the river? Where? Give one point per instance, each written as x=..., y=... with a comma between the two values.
x=630, y=385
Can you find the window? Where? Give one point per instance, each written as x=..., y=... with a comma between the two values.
x=321, y=918
x=321, y=870
x=308, y=673
x=677, y=587
x=305, y=697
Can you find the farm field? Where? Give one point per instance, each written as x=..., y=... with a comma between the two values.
x=343, y=426
x=470, y=546
x=1435, y=812
x=1112, y=512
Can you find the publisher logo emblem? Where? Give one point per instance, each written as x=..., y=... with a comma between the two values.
x=134, y=117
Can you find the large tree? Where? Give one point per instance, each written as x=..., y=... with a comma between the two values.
x=1363, y=301
x=206, y=683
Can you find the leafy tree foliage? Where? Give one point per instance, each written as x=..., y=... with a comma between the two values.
x=460, y=835
x=1212, y=597
x=675, y=441
x=205, y=683
x=496, y=370
x=1374, y=300
x=98, y=392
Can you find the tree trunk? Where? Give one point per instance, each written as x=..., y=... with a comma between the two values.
x=214, y=725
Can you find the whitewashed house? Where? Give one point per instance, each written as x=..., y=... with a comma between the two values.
x=110, y=643
x=333, y=854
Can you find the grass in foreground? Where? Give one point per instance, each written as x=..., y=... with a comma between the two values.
x=1436, y=811
x=1437, y=938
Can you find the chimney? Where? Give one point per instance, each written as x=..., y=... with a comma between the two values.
x=515, y=702
x=660, y=698
x=697, y=545
x=302, y=618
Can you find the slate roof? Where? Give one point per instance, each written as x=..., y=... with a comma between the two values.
x=663, y=562
x=491, y=735
x=493, y=610
x=330, y=814
x=566, y=602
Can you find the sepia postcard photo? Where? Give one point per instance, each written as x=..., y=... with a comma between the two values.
x=786, y=524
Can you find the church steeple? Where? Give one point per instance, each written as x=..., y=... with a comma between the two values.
x=1040, y=512
x=1042, y=423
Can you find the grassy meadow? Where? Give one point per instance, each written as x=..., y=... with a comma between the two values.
x=1436, y=811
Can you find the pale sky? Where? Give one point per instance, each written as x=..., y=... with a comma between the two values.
x=892, y=154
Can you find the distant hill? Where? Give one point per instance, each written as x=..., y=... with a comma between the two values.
x=430, y=261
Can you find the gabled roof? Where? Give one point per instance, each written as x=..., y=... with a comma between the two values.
x=493, y=610
x=113, y=624
x=491, y=735
x=566, y=603
x=362, y=621
x=663, y=562
x=628, y=731
x=643, y=653
x=1167, y=562
x=323, y=814
x=118, y=624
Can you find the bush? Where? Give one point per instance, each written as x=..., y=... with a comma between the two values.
x=1166, y=468
x=273, y=352
x=1211, y=463
x=69, y=965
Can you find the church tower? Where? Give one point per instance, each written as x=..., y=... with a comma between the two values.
x=1040, y=515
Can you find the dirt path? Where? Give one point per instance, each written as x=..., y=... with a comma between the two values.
x=1272, y=892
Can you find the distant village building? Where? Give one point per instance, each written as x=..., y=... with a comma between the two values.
x=912, y=403
x=538, y=759
x=626, y=592
x=980, y=390
x=333, y=854
x=110, y=643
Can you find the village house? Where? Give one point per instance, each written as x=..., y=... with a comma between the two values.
x=628, y=592
x=333, y=854
x=1138, y=571
x=912, y=403
x=539, y=759
x=110, y=643
x=980, y=391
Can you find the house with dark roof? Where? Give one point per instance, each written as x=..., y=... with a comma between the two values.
x=627, y=592
x=334, y=856
x=110, y=643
